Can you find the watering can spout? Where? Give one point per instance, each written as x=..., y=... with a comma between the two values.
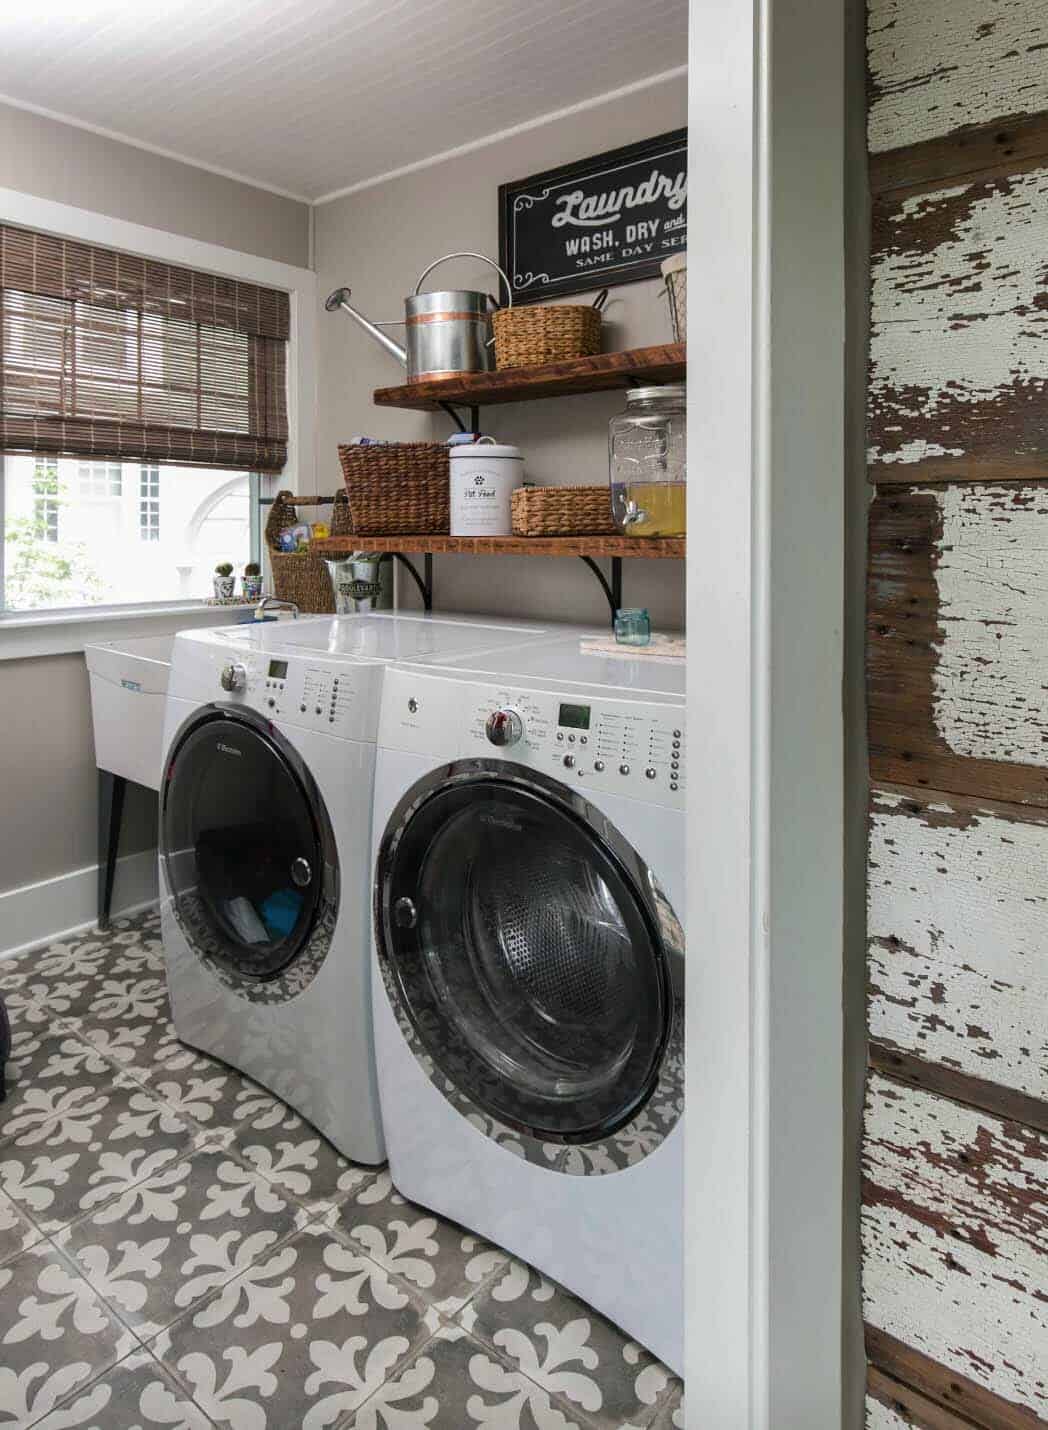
x=340, y=299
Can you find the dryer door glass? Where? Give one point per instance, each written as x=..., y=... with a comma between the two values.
x=241, y=846
x=525, y=958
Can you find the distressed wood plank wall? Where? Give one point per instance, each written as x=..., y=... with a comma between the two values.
x=955, y=1216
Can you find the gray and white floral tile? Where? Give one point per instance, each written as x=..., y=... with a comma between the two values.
x=567, y=1348
x=293, y=1156
x=671, y=1416
x=47, y=1070
x=55, y=1333
x=306, y=1333
x=77, y=1148
x=149, y=1193
x=167, y=1243
x=443, y=1261
x=17, y=1233
x=457, y=1381
x=136, y=1394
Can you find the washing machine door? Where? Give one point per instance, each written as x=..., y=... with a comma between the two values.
x=248, y=849
x=519, y=941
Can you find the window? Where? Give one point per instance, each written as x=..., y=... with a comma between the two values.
x=45, y=499
x=101, y=479
x=108, y=533
x=140, y=401
x=149, y=504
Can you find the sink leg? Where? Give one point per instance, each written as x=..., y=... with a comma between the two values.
x=111, y=790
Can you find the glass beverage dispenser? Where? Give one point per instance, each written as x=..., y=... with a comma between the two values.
x=647, y=457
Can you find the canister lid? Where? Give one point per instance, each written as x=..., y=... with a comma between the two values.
x=674, y=390
x=485, y=450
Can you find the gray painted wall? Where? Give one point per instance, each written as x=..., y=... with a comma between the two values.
x=47, y=768
x=73, y=166
x=379, y=240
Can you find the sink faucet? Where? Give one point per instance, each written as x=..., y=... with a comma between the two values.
x=272, y=603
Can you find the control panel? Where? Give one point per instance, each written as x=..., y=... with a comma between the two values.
x=629, y=747
x=327, y=697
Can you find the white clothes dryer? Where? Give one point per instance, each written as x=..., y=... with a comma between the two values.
x=265, y=824
x=529, y=1016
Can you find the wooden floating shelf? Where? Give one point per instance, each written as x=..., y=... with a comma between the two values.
x=637, y=367
x=645, y=547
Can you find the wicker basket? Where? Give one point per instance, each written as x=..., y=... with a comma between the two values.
x=300, y=576
x=525, y=336
x=562, y=511
x=397, y=488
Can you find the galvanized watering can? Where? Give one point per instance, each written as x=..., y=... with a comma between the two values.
x=448, y=332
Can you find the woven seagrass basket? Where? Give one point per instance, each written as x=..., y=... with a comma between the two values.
x=562, y=511
x=300, y=576
x=540, y=334
x=397, y=488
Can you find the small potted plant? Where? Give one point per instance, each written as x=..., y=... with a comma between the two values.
x=251, y=582
x=224, y=581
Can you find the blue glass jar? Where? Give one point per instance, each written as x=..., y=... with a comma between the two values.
x=633, y=626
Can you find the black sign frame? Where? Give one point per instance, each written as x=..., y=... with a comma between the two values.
x=525, y=248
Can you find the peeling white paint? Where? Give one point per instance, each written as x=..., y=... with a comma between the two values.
x=882, y=1417
x=990, y=684
x=938, y=65
x=956, y=1260
x=918, y=450
x=958, y=942
x=961, y=321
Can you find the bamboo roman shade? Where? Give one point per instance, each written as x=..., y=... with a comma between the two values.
x=103, y=354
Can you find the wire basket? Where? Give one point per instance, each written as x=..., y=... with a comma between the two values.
x=300, y=576
x=541, y=334
x=397, y=488
x=562, y=511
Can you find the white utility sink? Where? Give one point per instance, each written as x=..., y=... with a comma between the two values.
x=128, y=690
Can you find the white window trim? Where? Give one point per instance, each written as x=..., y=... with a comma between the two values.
x=54, y=632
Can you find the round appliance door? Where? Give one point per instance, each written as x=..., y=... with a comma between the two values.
x=247, y=846
x=524, y=952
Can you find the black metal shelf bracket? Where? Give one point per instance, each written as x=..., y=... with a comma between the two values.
x=424, y=582
x=612, y=589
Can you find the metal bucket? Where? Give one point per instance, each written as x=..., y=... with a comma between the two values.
x=357, y=583
x=449, y=332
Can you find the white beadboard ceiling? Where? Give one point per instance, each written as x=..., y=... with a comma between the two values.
x=311, y=97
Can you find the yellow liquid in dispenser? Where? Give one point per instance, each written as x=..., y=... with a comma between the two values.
x=664, y=505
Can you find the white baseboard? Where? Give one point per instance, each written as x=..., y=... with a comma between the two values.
x=39, y=913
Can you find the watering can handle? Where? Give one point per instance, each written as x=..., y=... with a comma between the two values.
x=483, y=258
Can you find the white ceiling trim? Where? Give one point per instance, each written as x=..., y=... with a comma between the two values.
x=612, y=94
x=121, y=138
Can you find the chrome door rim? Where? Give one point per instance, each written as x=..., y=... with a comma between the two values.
x=652, y=1121
x=303, y=964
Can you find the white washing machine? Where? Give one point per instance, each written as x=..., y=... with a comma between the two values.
x=529, y=1017
x=265, y=829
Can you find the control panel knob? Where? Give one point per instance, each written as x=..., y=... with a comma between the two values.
x=569, y=761
x=233, y=677
x=598, y=765
x=504, y=727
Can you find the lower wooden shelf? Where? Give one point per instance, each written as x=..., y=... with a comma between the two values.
x=645, y=547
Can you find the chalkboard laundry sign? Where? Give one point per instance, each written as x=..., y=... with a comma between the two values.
x=609, y=219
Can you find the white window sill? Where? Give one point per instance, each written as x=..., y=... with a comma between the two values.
x=27, y=634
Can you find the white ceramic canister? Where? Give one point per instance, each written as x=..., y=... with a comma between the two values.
x=484, y=475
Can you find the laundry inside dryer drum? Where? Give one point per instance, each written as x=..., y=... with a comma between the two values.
x=242, y=847
x=526, y=959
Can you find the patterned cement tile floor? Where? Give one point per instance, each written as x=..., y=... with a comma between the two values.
x=178, y=1249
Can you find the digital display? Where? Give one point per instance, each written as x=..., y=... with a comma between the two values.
x=575, y=717
x=277, y=669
